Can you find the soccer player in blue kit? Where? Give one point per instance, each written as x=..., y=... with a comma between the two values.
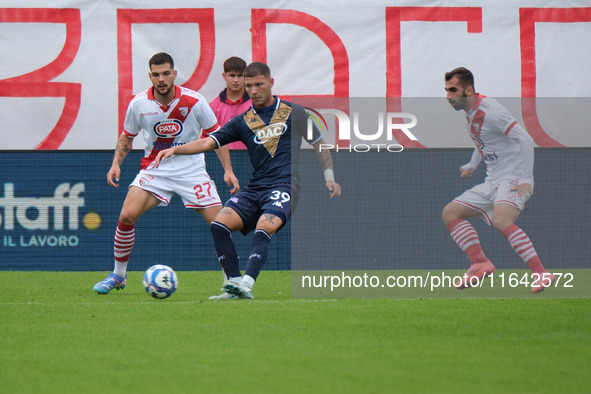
x=272, y=131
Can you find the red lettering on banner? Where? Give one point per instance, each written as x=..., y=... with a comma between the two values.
x=528, y=17
x=127, y=17
x=36, y=83
x=261, y=17
x=394, y=17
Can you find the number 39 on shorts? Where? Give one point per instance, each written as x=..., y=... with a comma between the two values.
x=281, y=196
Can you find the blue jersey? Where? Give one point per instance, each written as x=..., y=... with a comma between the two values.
x=273, y=136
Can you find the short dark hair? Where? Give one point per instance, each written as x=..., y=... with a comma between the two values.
x=234, y=63
x=161, y=58
x=257, y=68
x=464, y=75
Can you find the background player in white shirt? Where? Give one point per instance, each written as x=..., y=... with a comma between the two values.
x=167, y=115
x=508, y=151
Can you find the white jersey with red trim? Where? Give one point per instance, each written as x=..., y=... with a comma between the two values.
x=179, y=122
x=505, y=146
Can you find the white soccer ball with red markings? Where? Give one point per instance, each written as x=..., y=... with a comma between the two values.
x=160, y=281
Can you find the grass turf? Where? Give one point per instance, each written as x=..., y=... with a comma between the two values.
x=56, y=335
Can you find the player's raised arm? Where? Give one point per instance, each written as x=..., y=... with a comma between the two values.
x=191, y=148
x=325, y=160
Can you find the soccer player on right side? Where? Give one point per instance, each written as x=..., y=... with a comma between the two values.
x=508, y=151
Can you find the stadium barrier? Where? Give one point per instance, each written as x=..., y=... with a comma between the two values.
x=58, y=213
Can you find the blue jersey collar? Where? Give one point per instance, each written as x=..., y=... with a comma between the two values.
x=271, y=107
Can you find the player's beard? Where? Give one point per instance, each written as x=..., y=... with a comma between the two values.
x=165, y=92
x=458, y=103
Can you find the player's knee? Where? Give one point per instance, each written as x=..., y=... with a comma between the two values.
x=448, y=214
x=268, y=230
x=126, y=218
x=501, y=223
x=209, y=214
x=218, y=229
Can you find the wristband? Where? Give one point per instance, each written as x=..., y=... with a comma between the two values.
x=328, y=175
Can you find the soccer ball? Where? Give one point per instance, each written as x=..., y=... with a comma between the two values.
x=160, y=281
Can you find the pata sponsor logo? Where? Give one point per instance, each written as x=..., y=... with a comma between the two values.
x=168, y=128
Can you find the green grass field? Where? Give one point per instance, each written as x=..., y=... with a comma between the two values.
x=57, y=336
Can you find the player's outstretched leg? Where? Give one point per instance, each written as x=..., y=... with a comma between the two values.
x=523, y=246
x=256, y=260
x=227, y=256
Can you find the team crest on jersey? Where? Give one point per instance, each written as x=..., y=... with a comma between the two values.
x=184, y=111
x=477, y=141
x=145, y=179
x=283, y=112
x=168, y=128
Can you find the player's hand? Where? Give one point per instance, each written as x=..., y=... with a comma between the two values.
x=333, y=188
x=524, y=190
x=114, y=173
x=163, y=155
x=466, y=172
x=232, y=182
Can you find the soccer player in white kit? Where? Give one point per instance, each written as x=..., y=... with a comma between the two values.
x=508, y=151
x=167, y=115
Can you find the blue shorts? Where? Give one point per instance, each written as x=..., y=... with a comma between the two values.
x=251, y=202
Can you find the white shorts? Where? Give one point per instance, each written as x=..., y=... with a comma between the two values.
x=485, y=196
x=196, y=190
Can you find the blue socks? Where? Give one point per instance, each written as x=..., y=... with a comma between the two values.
x=258, y=255
x=225, y=249
x=228, y=257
